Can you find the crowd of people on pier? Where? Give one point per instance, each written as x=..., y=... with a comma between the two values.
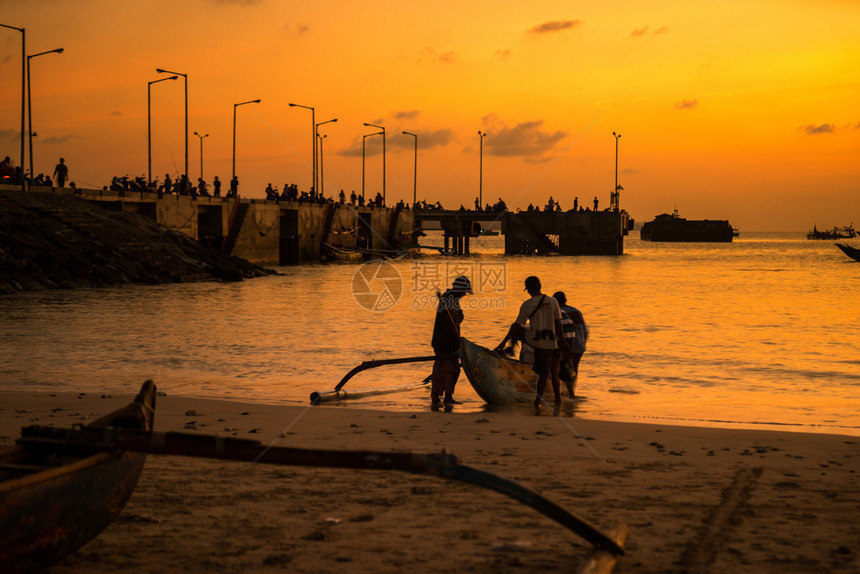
x=182, y=185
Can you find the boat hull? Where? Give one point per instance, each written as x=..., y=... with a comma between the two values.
x=47, y=516
x=54, y=498
x=497, y=379
x=851, y=252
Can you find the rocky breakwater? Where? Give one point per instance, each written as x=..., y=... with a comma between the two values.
x=59, y=241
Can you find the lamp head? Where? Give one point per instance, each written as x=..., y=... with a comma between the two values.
x=59, y=50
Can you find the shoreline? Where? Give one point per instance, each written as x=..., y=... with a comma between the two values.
x=693, y=497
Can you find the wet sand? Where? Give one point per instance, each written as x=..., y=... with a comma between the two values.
x=694, y=499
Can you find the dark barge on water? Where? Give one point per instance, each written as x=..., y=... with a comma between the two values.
x=667, y=227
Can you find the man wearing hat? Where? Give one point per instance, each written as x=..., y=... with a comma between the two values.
x=446, y=342
x=544, y=333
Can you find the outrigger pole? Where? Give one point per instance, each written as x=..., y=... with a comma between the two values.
x=442, y=465
x=318, y=396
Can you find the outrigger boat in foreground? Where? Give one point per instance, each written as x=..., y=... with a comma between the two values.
x=62, y=486
x=54, y=498
x=851, y=252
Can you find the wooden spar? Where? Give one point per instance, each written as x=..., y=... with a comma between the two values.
x=373, y=364
x=601, y=561
x=327, y=396
x=442, y=465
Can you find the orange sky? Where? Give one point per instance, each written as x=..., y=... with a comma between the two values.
x=742, y=110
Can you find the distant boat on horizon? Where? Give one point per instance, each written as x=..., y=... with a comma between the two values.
x=846, y=232
x=667, y=227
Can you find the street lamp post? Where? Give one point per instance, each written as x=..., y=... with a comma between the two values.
x=201, y=152
x=617, y=203
x=185, y=77
x=23, y=93
x=30, y=103
x=414, y=170
x=383, y=157
x=318, y=160
x=313, y=143
x=322, y=163
x=481, y=172
x=363, y=139
x=149, y=125
x=234, y=129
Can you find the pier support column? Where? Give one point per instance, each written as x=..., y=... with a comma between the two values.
x=466, y=245
x=446, y=242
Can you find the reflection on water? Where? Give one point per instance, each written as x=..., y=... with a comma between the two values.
x=760, y=331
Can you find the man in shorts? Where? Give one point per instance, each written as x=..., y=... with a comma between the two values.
x=446, y=342
x=540, y=320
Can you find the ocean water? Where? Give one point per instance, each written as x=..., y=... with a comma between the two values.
x=760, y=333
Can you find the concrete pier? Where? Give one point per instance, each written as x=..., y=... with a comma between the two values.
x=260, y=231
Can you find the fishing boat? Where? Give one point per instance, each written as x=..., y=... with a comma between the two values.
x=54, y=498
x=851, y=252
x=496, y=378
x=335, y=253
x=846, y=232
x=673, y=227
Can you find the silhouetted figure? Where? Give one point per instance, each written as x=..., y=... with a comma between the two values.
x=352, y=198
x=543, y=316
x=379, y=201
x=550, y=205
x=575, y=336
x=576, y=203
x=61, y=172
x=168, y=184
x=234, y=187
x=216, y=187
x=595, y=203
x=202, y=187
x=342, y=197
x=270, y=193
x=39, y=180
x=446, y=342
x=361, y=201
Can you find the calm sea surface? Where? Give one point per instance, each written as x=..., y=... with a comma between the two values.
x=763, y=332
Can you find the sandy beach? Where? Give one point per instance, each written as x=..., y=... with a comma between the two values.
x=694, y=499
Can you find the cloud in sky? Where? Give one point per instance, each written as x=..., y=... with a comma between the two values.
x=639, y=32
x=433, y=55
x=115, y=114
x=296, y=28
x=8, y=135
x=407, y=115
x=501, y=55
x=525, y=139
x=812, y=130
x=686, y=104
x=394, y=139
x=554, y=26
x=59, y=139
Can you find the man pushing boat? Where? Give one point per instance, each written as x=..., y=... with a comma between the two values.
x=539, y=325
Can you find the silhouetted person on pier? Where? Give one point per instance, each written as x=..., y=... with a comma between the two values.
x=353, y=198
x=595, y=203
x=361, y=201
x=576, y=203
x=202, y=187
x=61, y=172
x=234, y=186
x=270, y=193
x=168, y=184
x=342, y=198
x=379, y=202
x=550, y=205
x=446, y=342
x=216, y=187
x=543, y=317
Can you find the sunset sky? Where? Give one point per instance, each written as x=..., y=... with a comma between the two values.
x=740, y=110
